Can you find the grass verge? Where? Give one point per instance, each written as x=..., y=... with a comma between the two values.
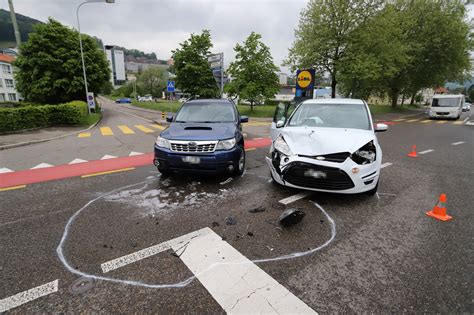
x=159, y=106
x=385, y=109
x=90, y=119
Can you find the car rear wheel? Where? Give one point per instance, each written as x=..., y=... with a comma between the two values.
x=240, y=167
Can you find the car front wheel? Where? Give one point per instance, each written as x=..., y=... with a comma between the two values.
x=240, y=167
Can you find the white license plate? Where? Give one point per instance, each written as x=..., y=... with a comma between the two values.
x=192, y=159
x=315, y=174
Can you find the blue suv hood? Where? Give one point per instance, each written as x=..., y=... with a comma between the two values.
x=200, y=131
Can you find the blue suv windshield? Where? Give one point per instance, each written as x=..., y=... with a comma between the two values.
x=206, y=112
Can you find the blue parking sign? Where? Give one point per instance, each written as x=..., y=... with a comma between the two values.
x=170, y=86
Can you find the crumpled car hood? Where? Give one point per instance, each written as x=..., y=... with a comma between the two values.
x=319, y=141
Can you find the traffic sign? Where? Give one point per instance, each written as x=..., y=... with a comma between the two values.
x=215, y=58
x=90, y=100
x=170, y=86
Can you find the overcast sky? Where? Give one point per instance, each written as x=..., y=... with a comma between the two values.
x=160, y=25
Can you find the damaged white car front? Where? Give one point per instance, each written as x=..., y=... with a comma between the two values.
x=321, y=151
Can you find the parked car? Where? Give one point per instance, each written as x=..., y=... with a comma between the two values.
x=146, y=98
x=204, y=136
x=326, y=145
x=466, y=107
x=123, y=100
x=446, y=106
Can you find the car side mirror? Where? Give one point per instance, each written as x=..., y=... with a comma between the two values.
x=244, y=119
x=169, y=118
x=380, y=127
x=280, y=123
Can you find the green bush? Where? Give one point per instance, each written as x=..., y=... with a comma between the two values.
x=28, y=117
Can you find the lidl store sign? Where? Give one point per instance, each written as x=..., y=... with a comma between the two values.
x=305, y=79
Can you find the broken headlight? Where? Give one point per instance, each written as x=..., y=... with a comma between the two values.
x=365, y=155
x=281, y=146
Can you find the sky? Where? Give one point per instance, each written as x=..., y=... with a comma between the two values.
x=160, y=25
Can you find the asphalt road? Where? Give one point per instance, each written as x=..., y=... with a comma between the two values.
x=387, y=255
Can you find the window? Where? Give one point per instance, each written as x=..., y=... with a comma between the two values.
x=1, y=84
x=206, y=112
x=2, y=97
x=12, y=97
x=9, y=83
x=6, y=69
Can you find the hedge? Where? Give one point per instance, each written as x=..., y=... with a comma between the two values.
x=27, y=117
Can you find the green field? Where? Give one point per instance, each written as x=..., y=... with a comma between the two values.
x=262, y=111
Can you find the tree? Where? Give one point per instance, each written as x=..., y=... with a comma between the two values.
x=253, y=73
x=50, y=68
x=193, y=73
x=152, y=81
x=324, y=32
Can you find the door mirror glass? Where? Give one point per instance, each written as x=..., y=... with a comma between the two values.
x=244, y=119
x=280, y=123
x=380, y=127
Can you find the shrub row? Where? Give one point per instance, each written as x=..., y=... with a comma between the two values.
x=27, y=117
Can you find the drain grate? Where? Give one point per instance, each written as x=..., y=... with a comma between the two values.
x=82, y=285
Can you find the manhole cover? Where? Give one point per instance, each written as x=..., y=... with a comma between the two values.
x=81, y=285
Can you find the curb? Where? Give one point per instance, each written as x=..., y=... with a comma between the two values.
x=21, y=144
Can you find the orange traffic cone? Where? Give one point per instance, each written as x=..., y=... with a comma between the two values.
x=413, y=152
x=439, y=211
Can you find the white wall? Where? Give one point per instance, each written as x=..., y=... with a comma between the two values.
x=119, y=65
x=7, y=90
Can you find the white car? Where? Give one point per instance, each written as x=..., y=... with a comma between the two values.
x=448, y=106
x=466, y=107
x=326, y=145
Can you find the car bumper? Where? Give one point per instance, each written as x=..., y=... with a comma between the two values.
x=443, y=114
x=336, y=177
x=216, y=162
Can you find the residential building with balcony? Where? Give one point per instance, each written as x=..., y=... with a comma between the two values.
x=8, y=92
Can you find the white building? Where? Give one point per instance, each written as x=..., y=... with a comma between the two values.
x=116, y=60
x=283, y=78
x=7, y=83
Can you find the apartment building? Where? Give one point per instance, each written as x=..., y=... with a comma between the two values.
x=7, y=82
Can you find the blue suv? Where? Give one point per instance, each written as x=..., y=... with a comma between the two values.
x=204, y=136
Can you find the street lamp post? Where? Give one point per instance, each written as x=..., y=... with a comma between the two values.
x=80, y=44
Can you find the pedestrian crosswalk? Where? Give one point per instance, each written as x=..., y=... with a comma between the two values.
x=430, y=121
x=123, y=130
x=257, y=123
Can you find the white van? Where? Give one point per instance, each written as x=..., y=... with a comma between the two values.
x=446, y=106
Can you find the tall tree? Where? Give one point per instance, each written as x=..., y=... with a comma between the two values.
x=193, y=73
x=50, y=68
x=153, y=81
x=324, y=32
x=253, y=73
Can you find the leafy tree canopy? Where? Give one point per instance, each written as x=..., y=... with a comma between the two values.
x=253, y=72
x=193, y=73
x=50, y=68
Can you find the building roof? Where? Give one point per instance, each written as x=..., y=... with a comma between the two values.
x=6, y=58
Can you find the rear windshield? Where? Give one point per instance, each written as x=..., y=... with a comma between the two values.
x=206, y=112
x=446, y=102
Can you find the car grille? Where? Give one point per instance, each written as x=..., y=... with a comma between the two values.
x=442, y=113
x=194, y=146
x=333, y=157
x=335, y=179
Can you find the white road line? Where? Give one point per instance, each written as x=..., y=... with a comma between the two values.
x=237, y=284
x=106, y=157
x=146, y=252
x=465, y=119
x=5, y=170
x=385, y=164
x=458, y=143
x=133, y=153
x=426, y=151
x=470, y=123
x=296, y=197
x=75, y=161
x=41, y=165
x=28, y=296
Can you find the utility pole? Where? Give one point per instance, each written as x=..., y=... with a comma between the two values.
x=222, y=75
x=15, y=24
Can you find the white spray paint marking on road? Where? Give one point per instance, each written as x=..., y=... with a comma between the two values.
x=296, y=197
x=28, y=296
x=385, y=164
x=71, y=269
x=228, y=180
x=458, y=143
x=385, y=194
x=426, y=151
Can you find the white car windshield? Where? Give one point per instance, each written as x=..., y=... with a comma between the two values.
x=353, y=116
x=445, y=102
x=206, y=112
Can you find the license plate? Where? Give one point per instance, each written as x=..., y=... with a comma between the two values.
x=315, y=174
x=192, y=159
